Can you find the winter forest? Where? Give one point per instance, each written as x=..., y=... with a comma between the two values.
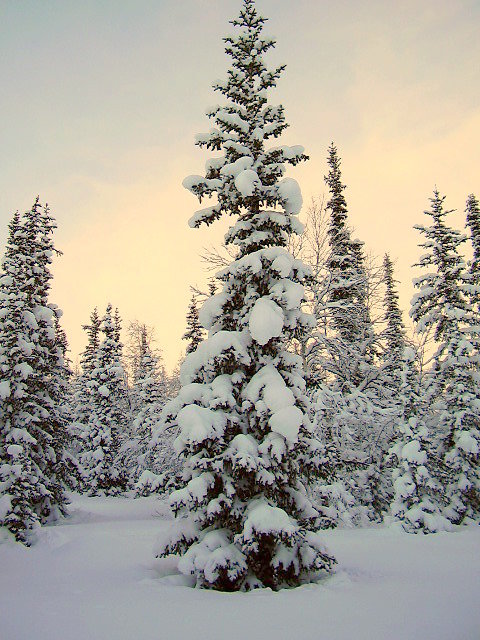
x=317, y=443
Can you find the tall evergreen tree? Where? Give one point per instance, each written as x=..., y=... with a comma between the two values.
x=31, y=379
x=442, y=304
x=148, y=376
x=340, y=263
x=81, y=383
x=347, y=298
x=441, y=291
x=472, y=211
x=64, y=403
x=89, y=355
x=350, y=399
x=394, y=333
x=148, y=398
x=350, y=344
x=81, y=397
x=108, y=417
x=246, y=520
x=194, y=333
x=117, y=322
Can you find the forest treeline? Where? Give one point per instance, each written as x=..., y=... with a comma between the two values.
x=395, y=411
x=302, y=402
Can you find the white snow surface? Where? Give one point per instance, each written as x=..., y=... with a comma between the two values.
x=94, y=576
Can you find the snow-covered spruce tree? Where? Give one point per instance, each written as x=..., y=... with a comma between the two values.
x=417, y=495
x=31, y=379
x=345, y=341
x=394, y=334
x=80, y=401
x=155, y=463
x=350, y=405
x=108, y=414
x=194, y=333
x=386, y=406
x=149, y=395
x=148, y=371
x=442, y=304
x=163, y=466
x=348, y=287
x=19, y=481
x=473, y=224
x=348, y=345
x=89, y=355
x=472, y=211
x=149, y=379
x=64, y=405
x=121, y=400
x=56, y=367
x=245, y=520
x=117, y=322
x=87, y=363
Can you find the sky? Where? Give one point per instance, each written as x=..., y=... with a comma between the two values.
x=101, y=101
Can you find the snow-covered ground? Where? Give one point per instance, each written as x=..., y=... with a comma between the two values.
x=94, y=577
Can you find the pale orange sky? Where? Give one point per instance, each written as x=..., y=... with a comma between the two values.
x=101, y=102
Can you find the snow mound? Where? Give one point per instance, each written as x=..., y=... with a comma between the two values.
x=4, y=389
x=263, y=518
x=413, y=452
x=212, y=554
x=246, y=182
x=218, y=345
x=14, y=450
x=467, y=442
x=287, y=422
x=266, y=320
x=235, y=168
x=104, y=391
x=291, y=294
x=291, y=195
x=211, y=310
x=198, y=424
x=269, y=385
